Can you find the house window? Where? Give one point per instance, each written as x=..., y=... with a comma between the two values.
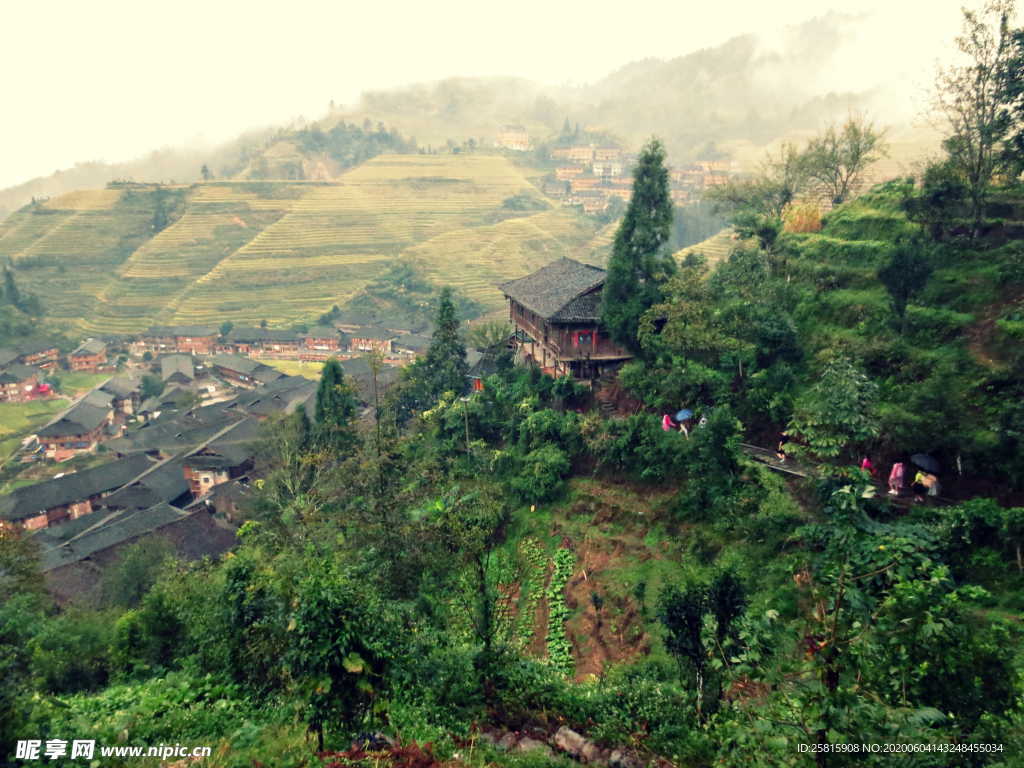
x=584, y=338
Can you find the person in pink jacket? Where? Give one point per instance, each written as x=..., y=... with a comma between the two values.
x=896, y=479
x=867, y=466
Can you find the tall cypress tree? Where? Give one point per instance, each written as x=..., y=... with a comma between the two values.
x=11, y=292
x=445, y=361
x=639, y=262
x=335, y=408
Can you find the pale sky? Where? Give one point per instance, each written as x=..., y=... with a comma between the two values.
x=111, y=80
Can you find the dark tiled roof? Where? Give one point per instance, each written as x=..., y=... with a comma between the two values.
x=369, y=332
x=548, y=290
x=248, y=335
x=7, y=355
x=17, y=372
x=90, y=347
x=130, y=497
x=77, y=420
x=109, y=531
x=32, y=499
x=98, y=398
x=122, y=386
x=245, y=365
x=176, y=431
x=182, y=330
x=172, y=364
x=414, y=342
x=322, y=332
x=279, y=396
x=485, y=365
x=585, y=308
x=34, y=347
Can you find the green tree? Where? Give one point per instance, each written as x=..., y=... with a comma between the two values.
x=904, y=277
x=341, y=642
x=152, y=386
x=699, y=623
x=335, y=409
x=161, y=216
x=490, y=335
x=837, y=412
x=225, y=327
x=971, y=98
x=11, y=293
x=838, y=157
x=755, y=205
x=445, y=364
x=640, y=261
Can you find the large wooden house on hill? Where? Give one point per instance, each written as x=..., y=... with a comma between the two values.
x=556, y=312
x=188, y=339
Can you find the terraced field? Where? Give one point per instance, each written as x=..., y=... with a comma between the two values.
x=282, y=251
x=500, y=252
x=716, y=248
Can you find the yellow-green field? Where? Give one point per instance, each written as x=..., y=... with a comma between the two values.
x=715, y=249
x=296, y=368
x=284, y=251
x=17, y=420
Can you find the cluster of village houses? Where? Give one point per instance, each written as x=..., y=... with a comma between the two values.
x=590, y=176
x=180, y=464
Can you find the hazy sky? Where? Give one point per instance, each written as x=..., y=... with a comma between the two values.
x=110, y=81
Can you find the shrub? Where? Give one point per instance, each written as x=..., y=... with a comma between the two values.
x=537, y=475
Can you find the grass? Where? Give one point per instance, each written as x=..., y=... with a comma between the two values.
x=17, y=420
x=297, y=368
x=75, y=383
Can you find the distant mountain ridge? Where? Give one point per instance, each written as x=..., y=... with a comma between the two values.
x=738, y=94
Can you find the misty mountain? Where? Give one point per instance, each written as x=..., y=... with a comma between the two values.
x=741, y=94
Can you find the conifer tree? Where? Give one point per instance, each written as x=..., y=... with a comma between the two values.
x=639, y=261
x=11, y=292
x=335, y=408
x=446, y=366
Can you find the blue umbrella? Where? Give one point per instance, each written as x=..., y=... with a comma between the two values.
x=684, y=414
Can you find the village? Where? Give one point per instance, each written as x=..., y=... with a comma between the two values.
x=591, y=176
x=165, y=444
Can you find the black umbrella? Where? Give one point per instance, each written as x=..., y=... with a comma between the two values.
x=926, y=462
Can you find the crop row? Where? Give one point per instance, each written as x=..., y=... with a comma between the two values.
x=559, y=648
x=531, y=587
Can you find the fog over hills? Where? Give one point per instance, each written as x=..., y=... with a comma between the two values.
x=733, y=98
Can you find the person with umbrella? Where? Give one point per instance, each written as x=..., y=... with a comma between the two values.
x=682, y=416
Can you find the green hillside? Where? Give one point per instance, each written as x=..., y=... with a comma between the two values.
x=281, y=250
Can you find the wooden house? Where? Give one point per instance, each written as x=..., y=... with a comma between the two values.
x=321, y=342
x=227, y=457
x=19, y=383
x=514, y=137
x=556, y=314
x=78, y=430
x=68, y=497
x=262, y=341
x=243, y=372
x=90, y=356
x=40, y=354
x=188, y=339
x=367, y=339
